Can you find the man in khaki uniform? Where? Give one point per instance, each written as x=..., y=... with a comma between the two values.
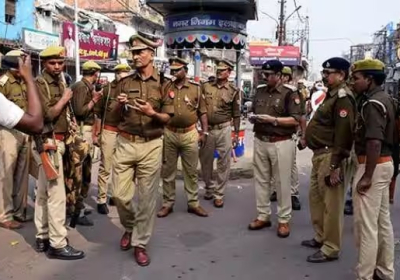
x=375, y=137
x=110, y=116
x=223, y=105
x=181, y=138
x=14, y=153
x=50, y=203
x=86, y=106
x=277, y=111
x=145, y=110
x=294, y=181
x=330, y=135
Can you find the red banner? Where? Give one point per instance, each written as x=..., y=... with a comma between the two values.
x=274, y=51
x=95, y=45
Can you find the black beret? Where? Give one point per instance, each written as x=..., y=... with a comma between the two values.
x=336, y=63
x=272, y=66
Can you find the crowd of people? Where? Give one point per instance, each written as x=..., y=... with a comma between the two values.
x=143, y=121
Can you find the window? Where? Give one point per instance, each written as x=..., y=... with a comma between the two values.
x=10, y=11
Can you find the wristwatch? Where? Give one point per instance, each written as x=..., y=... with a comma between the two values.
x=275, y=123
x=332, y=167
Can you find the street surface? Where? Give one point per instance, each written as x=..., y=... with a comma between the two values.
x=188, y=247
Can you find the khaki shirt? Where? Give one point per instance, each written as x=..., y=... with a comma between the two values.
x=375, y=121
x=333, y=124
x=281, y=101
x=83, y=94
x=14, y=90
x=135, y=122
x=110, y=110
x=222, y=102
x=49, y=99
x=188, y=103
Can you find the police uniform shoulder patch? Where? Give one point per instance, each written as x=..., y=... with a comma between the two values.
x=293, y=88
x=342, y=93
x=261, y=86
x=3, y=80
x=343, y=113
x=194, y=83
x=40, y=79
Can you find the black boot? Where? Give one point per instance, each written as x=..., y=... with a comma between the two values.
x=348, y=208
x=67, y=253
x=102, y=209
x=296, y=205
x=84, y=221
x=273, y=197
x=42, y=245
x=111, y=202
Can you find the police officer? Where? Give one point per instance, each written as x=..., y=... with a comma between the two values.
x=145, y=110
x=14, y=152
x=87, y=108
x=223, y=104
x=109, y=132
x=375, y=137
x=277, y=111
x=50, y=203
x=330, y=135
x=181, y=138
x=287, y=78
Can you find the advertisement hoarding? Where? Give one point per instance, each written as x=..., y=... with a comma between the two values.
x=288, y=55
x=95, y=45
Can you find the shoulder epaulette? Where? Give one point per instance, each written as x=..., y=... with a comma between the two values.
x=342, y=93
x=40, y=79
x=233, y=87
x=261, y=86
x=293, y=88
x=3, y=80
x=194, y=83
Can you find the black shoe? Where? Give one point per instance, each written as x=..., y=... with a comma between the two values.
x=111, y=202
x=84, y=221
x=311, y=244
x=67, y=253
x=273, y=197
x=348, y=208
x=376, y=276
x=102, y=209
x=296, y=205
x=320, y=257
x=87, y=212
x=42, y=245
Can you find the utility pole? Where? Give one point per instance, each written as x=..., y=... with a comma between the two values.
x=281, y=27
x=77, y=62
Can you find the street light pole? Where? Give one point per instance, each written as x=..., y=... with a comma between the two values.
x=77, y=62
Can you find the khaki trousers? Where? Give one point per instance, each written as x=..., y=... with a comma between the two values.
x=220, y=140
x=87, y=163
x=294, y=177
x=186, y=146
x=50, y=204
x=108, y=143
x=142, y=161
x=15, y=150
x=326, y=206
x=372, y=225
x=272, y=160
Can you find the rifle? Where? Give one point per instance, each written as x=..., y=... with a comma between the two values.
x=48, y=167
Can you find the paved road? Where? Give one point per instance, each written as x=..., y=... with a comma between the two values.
x=186, y=247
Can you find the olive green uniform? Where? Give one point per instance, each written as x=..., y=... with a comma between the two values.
x=274, y=149
x=372, y=225
x=83, y=94
x=330, y=135
x=138, y=156
x=111, y=116
x=14, y=156
x=50, y=203
x=181, y=139
x=223, y=104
